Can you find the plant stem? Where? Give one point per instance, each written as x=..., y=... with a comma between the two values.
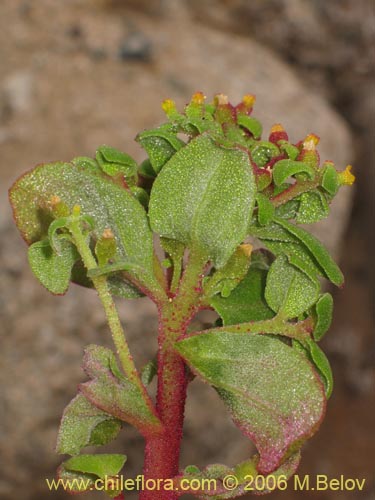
x=101, y=286
x=162, y=453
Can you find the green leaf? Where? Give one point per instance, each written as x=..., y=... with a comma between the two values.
x=283, y=169
x=288, y=210
x=251, y=124
x=246, y=302
x=291, y=150
x=114, y=162
x=328, y=265
x=204, y=197
x=149, y=371
x=87, y=163
x=113, y=393
x=324, y=310
x=99, y=465
x=263, y=151
x=271, y=390
x=272, y=232
x=82, y=472
x=53, y=270
x=160, y=144
x=226, y=279
x=145, y=169
x=313, y=207
x=241, y=472
x=289, y=291
x=321, y=362
x=108, y=204
x=266, y=210
x=83, y=424
x=330, y=180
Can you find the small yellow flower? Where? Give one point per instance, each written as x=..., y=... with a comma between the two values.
x=246, y=248
x=198, y=98
x=346, y=177
x=310, y=142
x=168, y=106
x=277, y=128
x=248, y=100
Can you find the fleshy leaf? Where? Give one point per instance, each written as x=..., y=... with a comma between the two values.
x=263, y=151
x=251, y=124
x=99, y=465
x=324, y=310
x=330, y=268
x=160, y=144
x=108, y=204
x=330, y=180
x=266, y=210
x=149, y=371
x=84, y=424
x=283, y=169
x=241, y=472
x=246, y=302
x=226, y=279
x=313, y=207
x=113, y=393
x=289, y=291
x=204, y=197
x=53, y=270
x=114, y=162
x=321, y=362
x=271, y=390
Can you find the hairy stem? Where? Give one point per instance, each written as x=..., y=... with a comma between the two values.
x=101, y=286
x=162, y=453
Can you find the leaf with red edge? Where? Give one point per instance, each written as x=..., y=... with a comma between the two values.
x=272, y=391
x=114, y=393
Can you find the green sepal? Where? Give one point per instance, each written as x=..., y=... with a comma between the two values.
x=290, y=291
x=204, y=198
x=251, y=124
x=266, y=210
x=225, y=280
x=283, y=169
x=52, y=269
x=330, y=179
x=113, y=162
x=313, y=207
x=246, y=302
x=323, y=312
x=263, y=151
x=272, y=392
x=83, y=424
x=160, y=144
x=323, y=258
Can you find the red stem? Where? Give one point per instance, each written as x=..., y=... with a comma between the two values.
x=162, y=452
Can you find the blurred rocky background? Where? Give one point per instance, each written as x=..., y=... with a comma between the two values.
x=80, y=73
